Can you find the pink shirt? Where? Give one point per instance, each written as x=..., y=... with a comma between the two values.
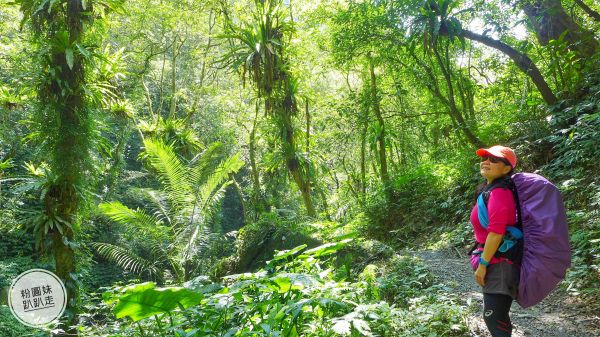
x=502, y=212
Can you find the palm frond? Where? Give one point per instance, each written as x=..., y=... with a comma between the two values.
x=194, y=241
x=158, y=200
x=126, y=259
x=171, y=172
x=205, y=162
x=209, y=205
x=196, y=234
x=218, y=177
x=135, y=220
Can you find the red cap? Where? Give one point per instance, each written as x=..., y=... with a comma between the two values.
x=500, y=152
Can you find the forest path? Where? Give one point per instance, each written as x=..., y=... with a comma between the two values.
x=556, y=316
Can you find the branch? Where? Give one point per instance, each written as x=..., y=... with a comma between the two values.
x=595, y=15
x=521, y=60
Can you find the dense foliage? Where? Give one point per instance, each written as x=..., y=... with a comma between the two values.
x=266, y=167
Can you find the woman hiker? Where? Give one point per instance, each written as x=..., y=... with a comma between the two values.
x=496, y=255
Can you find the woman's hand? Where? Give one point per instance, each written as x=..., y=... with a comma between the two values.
x=480, y=275
x=492, y=242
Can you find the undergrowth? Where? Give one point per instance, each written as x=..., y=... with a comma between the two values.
x=295, y=294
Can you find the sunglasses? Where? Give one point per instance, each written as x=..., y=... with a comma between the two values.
x=495, y=160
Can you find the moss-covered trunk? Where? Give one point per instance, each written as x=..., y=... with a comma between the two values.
x=283, y=118
x=375, y=104
x=66, y=126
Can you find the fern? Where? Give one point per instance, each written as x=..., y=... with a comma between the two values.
x=201, y=166
x=178, y=228
x=135, y=220
x=171, y=172
x=220, y=175
x=126, y=259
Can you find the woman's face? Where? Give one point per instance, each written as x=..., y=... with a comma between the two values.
x=492, y=171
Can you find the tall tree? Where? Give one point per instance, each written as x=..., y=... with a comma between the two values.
x=262, y=54
x=355, y=45
x=376, y=107
x=64, y=114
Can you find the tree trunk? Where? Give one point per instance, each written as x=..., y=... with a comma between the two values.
x=173, y=83
x=211, y=24
x=592, y=13
x=363, y=155
x=68, y=128
x=385, y=178
x=64, y=259
x=307, y=131
x=259, y=203
x=521, y=60
x=455, y=113
x=176, y=52
x=550, y=21
x=319, y=190
x=118, y=163
x=148, y=99
x=162, y=88
x=291, y=158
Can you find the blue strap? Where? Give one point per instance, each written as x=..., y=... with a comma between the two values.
x=512, y=235
x=482, y=212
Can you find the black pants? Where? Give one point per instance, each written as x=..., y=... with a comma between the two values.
x=495, y=314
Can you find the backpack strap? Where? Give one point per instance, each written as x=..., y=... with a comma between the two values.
x=506, y=182
x=513, y=233
x=482, y=212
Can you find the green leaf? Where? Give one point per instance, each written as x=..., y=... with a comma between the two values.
x=362, y=327
x=283, y=254
x=293, y=281
x=143, y=301
x=326, y=249
x=341, y=327
x=83, y=51
x=70, y=58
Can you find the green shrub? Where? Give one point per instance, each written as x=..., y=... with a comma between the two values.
x=424, y=203
x=297, y=294
x=403, y=278
x=434, y=314
x=256, y=242
x=10, y=327
x=10, y=268
x=404, y=210
x=584, y=276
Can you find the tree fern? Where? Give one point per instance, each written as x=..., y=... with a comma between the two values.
x=171, y=172
x=135, y=220
x=126, y=259
x=218, y=177
x=178, y=229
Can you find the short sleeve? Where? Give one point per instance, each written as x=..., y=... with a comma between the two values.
x=502, y=211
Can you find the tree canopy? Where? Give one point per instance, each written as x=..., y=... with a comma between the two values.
x=229, y=168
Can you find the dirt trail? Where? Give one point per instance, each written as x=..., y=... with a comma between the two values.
x=556, y=316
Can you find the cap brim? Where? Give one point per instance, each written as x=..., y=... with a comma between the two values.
x=487, y=152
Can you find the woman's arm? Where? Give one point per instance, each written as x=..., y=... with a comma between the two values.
x=491, y=246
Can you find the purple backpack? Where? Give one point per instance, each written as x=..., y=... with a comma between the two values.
x=546, y=249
